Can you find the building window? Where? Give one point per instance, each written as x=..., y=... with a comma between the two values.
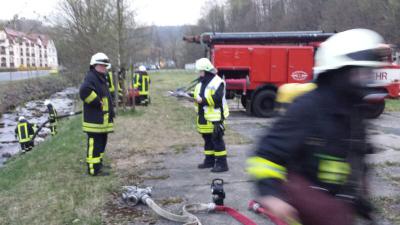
x=12, y=65
x=22, y=61
x=3, y=62
x=3, y=50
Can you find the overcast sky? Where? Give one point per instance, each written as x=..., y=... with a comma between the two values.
x=157, y=12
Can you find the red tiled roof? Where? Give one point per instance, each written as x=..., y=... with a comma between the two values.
x=13, y=34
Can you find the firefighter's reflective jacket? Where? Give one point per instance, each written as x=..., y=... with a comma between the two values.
x=142, y=82
x=110, y=82
x=321, y=137
x=214, y=107
x=98, y=112
x=25, y=131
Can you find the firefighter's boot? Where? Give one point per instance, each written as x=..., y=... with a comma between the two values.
x=221, y=165
x=208, y=162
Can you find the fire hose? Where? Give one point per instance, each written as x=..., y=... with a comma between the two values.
x=58, y=117
x=257, y=208
x=133, y=195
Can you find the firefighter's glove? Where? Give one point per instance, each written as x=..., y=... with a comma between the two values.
x=219, y=130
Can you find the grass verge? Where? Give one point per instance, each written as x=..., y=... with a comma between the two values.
x=49, y=185
x=392, y=105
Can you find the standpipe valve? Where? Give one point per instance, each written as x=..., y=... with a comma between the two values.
x=133, y=195
x=217, y=191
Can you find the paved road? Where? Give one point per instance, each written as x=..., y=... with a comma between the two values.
x=20, y=75
x=176, y=175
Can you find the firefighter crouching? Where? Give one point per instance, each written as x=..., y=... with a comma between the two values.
x=24, y=133
x=310, y=167
x=52, y=117
x=212, y=110
x=142, y=84
x=98, y=112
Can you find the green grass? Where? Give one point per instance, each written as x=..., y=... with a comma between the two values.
x=49, y=185
x=392, y=105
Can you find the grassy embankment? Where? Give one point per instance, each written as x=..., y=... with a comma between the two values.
x=49, y=185
x=14, y=93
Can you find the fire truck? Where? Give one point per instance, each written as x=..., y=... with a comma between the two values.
x=254, y=65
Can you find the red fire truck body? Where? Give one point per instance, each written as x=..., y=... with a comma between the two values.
x=254, y=65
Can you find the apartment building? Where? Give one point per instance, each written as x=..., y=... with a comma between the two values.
x=22, y=50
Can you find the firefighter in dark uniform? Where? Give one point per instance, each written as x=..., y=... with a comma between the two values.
x=52, y=117
x=212, y=110
x=98, y=112
x=24, y=133
x=310, y=166
x=142, y=84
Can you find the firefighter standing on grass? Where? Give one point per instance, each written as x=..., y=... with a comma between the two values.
x=142, y=84
x=52, y=117
x=98, y=112
x=24, y=133
x=310, y=166
x=111, y=85
x=212, y=110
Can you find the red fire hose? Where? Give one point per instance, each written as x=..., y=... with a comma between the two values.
x=257, y=208
x=235, y=214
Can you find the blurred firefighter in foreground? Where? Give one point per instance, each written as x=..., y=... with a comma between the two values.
x=52, y=117
x=287, y=93
x=141, y=82
x=98, y=112
x=24, y=133
x=310, y=166
x=212, y=110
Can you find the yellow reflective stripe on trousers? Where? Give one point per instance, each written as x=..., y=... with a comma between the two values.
x=90, y=156
x=262, y=168
x=208, y=152
x=91, y=97
x=221, y=153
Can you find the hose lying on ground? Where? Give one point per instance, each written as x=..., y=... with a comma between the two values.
x=134, y=195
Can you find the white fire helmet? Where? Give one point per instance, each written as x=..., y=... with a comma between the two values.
x=99, y=58
x=204, y=64
x=356, y=47
x=142, y=68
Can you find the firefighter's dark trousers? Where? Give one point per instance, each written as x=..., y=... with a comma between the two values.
x=27, y=146
x=96, y=146
x=53, y=128
x=214, y=146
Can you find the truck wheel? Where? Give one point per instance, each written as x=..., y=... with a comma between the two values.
x=373, y=110
x=264, y=103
